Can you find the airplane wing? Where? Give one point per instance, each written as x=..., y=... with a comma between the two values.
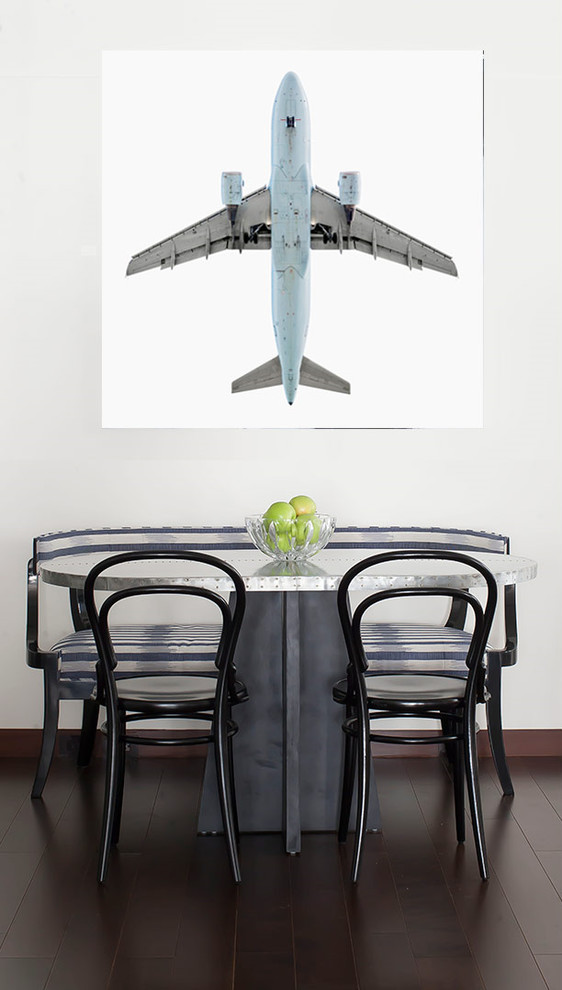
x=331, y=231
x=248, y=231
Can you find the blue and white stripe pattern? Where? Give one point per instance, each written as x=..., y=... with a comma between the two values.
x=140, y=650
x=205, y=539
x=381, y=538
x=214, y=539
x=414, y=646
x=147, y=650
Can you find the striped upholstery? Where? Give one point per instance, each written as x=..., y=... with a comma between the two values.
x=108, y=541
x=410, y=646
x=376, y=538
x=398, y=646
x=141, y=650
x=207, y=538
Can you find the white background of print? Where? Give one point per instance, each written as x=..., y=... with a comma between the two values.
x=410, y=343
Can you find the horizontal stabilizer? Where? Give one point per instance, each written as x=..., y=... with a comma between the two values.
x=269, y=374
x=316, y=376
x=265, y=376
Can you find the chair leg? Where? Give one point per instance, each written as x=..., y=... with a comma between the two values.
x=471, y=767
x=458, y=785
x=50, y=726
x=111, y=793
x=90, y=714
x=233, y=789
x=225, y=794
x=363, y=780
x=449, y=727
x=495, y=728
x=349, y=765
x=122, y=752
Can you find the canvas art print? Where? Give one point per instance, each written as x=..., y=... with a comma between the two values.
x=292, y=239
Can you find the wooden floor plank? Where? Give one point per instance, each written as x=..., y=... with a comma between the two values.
x=494, y=937
x=17, y=778
x=170, y=916
x=143, y=974
x=551, y=863
x=32, y=827
x=24, y=974
x=551, y=969
x=205, y=949
x=92, y=935
x=431, y=918
x=264, y=930
x=16, y=872
x=323, y=947
x=533, y=811
x=449, y=974
x=41, y=919
x=152, y=923
x=547, y=772
x=385, y=962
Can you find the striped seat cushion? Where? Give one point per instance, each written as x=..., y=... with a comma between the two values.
x=399, y=646
x=141, y=650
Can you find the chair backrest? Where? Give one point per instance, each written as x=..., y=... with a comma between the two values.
x=231, y=610
x=483, y=617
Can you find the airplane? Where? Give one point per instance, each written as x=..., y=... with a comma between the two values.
x=291, y=217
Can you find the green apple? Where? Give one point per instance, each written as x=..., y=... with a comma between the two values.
x=303, y=504
x=284, y=542
x=281, y=540
x=307, y=527
x=280, y=513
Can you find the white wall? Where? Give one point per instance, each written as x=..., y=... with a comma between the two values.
x=61, y=470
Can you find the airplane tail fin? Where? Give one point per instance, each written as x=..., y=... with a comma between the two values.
x=311, y=374
x=316, y=376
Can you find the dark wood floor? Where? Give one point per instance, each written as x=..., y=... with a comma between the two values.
x=169, y=916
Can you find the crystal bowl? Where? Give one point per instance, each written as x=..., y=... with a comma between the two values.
x=283, y=541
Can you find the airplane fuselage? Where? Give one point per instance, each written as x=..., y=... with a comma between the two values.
x=290, y=189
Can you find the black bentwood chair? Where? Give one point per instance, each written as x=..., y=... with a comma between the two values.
x=196, y=696
x=443, y=696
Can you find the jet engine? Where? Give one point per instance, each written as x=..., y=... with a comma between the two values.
x=350, y=192
x=231, y=189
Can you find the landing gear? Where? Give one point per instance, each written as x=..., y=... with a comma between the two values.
x=252, y=236
x=329, y=236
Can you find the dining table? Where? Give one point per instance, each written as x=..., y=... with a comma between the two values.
x=289, y=749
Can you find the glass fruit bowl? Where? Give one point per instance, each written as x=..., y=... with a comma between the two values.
x=295, y=540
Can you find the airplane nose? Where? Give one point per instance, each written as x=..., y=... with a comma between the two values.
x=291, y=81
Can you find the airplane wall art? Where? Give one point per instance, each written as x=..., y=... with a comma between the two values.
x=291, y=217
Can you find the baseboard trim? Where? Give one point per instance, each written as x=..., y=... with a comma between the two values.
x=27, y=743
x=518, y=742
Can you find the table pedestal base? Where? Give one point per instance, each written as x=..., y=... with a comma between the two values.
x=288, y=754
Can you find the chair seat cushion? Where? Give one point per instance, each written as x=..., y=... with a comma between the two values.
x=141, y=650
x=173, y=688
x=399, y=646
x=409, y=687
x=415, y=687
x=193, y=689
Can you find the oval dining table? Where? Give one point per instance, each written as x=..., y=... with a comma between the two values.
x=288, y=752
